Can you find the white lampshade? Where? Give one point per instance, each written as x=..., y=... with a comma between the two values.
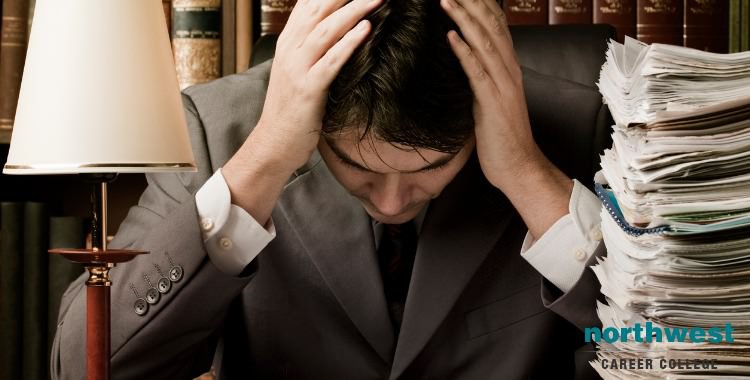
x=99, y=92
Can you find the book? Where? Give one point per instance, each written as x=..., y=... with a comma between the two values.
x=274, y=14
x=745, y=25
x=244, y=40
x=32, y=5
x=196, y=40
x=167, y=4
x=570, y=11
x=228, y=37
x=618, y=13
x=64, y=232
x=35, y=245
x=706, y=25
x=526, y=12
x=13, y=40
x=11, y=280
x=734, y=25
x=660, y=21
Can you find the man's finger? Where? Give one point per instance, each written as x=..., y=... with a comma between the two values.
x=499, y=17
x=305, y=15
x=497, y=24
x=481, y=84
x=325, y=70
x=491, y=16
x=492, y=19
x=482, y=46
x=333, y=27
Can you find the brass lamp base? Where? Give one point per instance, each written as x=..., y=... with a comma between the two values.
x=98, y=263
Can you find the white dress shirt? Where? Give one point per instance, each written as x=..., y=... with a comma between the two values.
x=233, y=238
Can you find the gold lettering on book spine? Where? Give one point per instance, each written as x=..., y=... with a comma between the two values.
x=196, y=3
x=14, y=31
x=571, y=7
x=661, y=6
x=618, y=7
x=280, y=6
x=703, y=7
x=526, y=6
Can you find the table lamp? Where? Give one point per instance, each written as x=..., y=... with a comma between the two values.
x=99, y=96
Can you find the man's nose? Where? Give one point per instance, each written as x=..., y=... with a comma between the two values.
x=389, y=195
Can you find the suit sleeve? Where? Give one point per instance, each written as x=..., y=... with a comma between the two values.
x=563, y=256
x=578, y=305
x=173, y=338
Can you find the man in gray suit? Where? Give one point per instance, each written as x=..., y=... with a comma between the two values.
x=357, y=214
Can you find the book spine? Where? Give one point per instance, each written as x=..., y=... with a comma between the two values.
x=228, y=37
x=745, y=26
x=64, y=232
x=196, y=41
x=35, y=245
x=244, y=35
x=618, y=13
x=706, y=25
x=660, y=21
x=735, y=18
x=526, y=12
x=13, y=39
x=11, y=280
x=570, y=11
x=167, y=4
x=32, y=5
x=274, y=14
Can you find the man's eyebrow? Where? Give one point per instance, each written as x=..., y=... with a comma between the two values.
x=349, y=161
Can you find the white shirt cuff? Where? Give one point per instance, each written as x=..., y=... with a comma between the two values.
x=560, y=255
x=232, y=237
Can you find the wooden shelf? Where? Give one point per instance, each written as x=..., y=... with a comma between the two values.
x=4, y=136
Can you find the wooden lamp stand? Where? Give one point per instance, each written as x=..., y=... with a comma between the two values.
x=113, y=107
x=98, y=261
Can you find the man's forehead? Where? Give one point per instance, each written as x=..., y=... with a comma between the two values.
x=377, y=155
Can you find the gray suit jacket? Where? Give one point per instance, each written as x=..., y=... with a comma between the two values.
x=313, y=305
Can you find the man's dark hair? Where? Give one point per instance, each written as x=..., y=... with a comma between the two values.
x=404, y=84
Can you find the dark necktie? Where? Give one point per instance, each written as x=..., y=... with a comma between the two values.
x=396, y=252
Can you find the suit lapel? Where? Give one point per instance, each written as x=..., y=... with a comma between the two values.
x=337, y=234
x=460, y=228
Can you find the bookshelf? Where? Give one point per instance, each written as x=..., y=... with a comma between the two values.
x=4, y=137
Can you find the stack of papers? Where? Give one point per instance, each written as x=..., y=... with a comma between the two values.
x=676, y=218
x=638, y=80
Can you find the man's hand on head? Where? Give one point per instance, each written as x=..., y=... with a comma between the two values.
x=318, y=39
x=508, y=155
